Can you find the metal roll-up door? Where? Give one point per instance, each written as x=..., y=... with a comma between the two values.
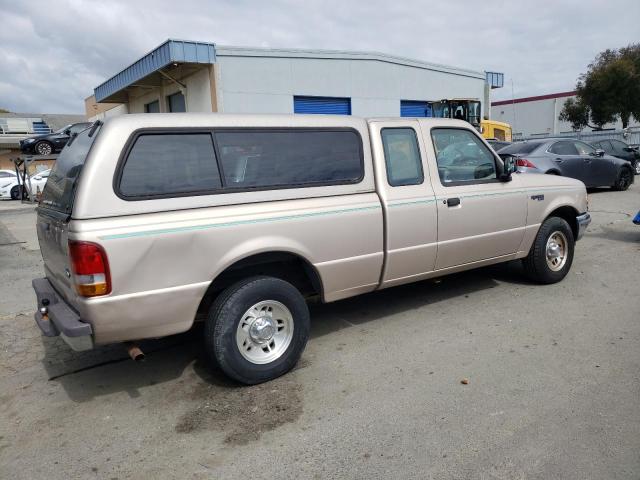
x=323, y=105
x=415, y=108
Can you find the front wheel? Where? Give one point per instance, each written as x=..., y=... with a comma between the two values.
x=551, y=254
x=43, y=148
x=624, y=180
x=257, y=329
x=636, y=166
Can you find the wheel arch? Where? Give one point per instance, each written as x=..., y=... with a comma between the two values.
x=567, y=213
x=279, y=263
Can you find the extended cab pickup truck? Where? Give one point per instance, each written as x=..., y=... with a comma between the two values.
x=148, y=222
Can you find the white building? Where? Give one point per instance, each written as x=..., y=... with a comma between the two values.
x=538, y=116
x=204, y=77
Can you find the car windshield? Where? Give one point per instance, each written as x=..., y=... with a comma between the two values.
x=63, y=129
x=520, y=148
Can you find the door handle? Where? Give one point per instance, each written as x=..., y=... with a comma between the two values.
x=452, y=202
x=557, y=160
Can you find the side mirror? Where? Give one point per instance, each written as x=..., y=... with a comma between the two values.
x=67, y=131
x=599, y=152
x=509, y=167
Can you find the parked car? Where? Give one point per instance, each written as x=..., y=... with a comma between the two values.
x=239, y=218
x=620, y=149
x=51, y=142
x=636, y=219
x=498, y=144
x=9, y=185
x=571, y=158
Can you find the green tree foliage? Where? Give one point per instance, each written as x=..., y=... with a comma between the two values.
x=2, y=110
x=610, y=90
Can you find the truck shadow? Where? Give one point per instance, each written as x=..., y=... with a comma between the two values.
x=180, y=362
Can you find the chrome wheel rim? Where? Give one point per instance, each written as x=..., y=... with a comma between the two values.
x=557, y=248
x=264, y=332
x=638, y=167
x=44, y=149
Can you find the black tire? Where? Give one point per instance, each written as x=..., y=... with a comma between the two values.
x=228, y=310
x=636, y=166
x=535, y=264
x=624, y=180
x=553, y=172
x=16, y=192
x=43, y=148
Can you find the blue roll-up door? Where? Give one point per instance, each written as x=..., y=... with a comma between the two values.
x=324, y=105
x=415, y=108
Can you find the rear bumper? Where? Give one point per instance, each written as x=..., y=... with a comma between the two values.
x=57, y=318
x=583, y=222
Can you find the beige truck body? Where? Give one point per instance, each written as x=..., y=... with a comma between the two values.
x=164, y=254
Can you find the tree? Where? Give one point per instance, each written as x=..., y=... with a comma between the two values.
x=610, y=90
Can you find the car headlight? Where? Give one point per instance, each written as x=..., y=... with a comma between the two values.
x=29, y=140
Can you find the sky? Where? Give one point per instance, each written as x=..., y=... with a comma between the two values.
x=53, y=53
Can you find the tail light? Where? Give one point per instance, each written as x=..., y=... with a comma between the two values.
x=90, y=268
x=523, y=162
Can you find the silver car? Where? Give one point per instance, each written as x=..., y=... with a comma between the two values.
x=571, y=158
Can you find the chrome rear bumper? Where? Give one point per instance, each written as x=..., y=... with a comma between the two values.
x=583, y=222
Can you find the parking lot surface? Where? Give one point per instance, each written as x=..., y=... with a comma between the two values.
x=553, y=381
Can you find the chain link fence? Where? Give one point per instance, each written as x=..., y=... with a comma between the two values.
x=628, y=135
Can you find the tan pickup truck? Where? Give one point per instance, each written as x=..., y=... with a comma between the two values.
x=150, y=221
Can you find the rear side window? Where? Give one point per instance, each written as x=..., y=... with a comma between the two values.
x=402, y=156
x=59, y=190
x=170, y=164
x=289, y=158
x=520, y=148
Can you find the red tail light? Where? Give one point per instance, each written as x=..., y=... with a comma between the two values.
x=523, y=162
x=90, y=268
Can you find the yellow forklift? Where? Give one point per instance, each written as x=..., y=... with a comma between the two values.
x=467, y=109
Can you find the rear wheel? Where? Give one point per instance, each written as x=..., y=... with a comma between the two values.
x=43, y=148
x=551, y=254
x=624, y=180
x=257, y=329
x=16, y=192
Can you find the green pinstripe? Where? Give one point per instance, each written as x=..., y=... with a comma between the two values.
x=423, y=201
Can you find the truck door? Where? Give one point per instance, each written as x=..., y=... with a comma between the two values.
x=479, y=217
x=408, y=201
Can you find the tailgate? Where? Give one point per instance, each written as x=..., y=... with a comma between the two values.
x=52, y=231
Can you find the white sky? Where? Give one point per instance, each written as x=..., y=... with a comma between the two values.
x=52, y=54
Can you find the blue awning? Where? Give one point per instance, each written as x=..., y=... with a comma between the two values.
x=171, y=51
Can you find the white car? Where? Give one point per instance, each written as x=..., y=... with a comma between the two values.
x=10, y=185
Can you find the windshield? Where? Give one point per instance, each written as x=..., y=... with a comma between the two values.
x=520, y=147
x=60, y=187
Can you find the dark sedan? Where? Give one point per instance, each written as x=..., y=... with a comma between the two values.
x=571, y=158
x=619, y=149
x=51, y=142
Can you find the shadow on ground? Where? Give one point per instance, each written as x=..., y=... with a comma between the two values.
x=108, y=369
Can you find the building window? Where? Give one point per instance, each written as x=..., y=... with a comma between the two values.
x=152, y=107
x=176, y=103
x=322, y=105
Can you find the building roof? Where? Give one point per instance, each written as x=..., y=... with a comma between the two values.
x=534, y=99
x=53, y=120
x=171, y=51
x=230, y=51
x=185, y=53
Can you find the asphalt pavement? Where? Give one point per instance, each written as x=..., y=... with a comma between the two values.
x=553, y=386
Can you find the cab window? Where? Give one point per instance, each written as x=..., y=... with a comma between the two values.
x=462, y=157
x=402, y=156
